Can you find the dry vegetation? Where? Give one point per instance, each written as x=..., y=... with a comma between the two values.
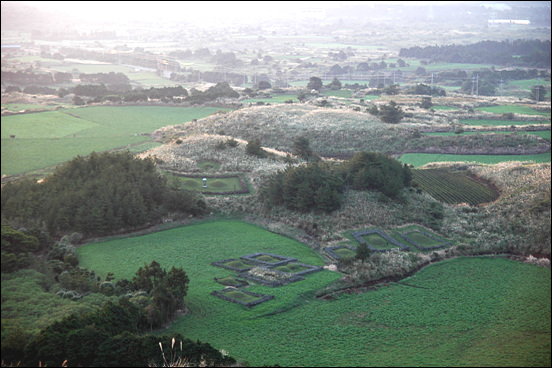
x=518, y=220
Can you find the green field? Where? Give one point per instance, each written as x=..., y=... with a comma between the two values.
x=476, y=311
x=513, y=109
x=345, y=93
x=420, y=159
x=453, y=188
x=493, y=122
x=49, y=138
x=273, y=99
x=545, y=134
x=214, y=184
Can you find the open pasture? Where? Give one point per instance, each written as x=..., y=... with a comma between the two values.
x=473, y=320
x=454, y=187
x=49, y=138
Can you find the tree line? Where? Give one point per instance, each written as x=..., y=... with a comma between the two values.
x=319, y=185
x=116, y=334
x=98, y=195
x=526, y=53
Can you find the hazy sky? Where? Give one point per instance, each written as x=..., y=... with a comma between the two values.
x=207, y=12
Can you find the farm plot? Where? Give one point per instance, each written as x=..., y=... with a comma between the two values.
x=454, y=188
x=227, y=184
x=497, y=122
x=340, y=252
x=378, y=241
x=424, y=240
x=420, y=159
x=392, y=326
x=513, y=109
x=53, y=137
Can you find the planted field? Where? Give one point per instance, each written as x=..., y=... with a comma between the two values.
x=345, y=253
x=213, y=184
x=230, y=281
x=513, y=109
x=493, y=122
x=424, y=240
x=378, y=242
x=541, y=133
x=49, y=138
x=486, y=313
x=420, y=159
x=453, y=188
x=291, y=268
x=273, y=99
x=345, y=93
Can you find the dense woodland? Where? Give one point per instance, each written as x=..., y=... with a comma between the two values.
x=101, y=194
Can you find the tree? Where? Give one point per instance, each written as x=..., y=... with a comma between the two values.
x=335, y=84
x=254, y=148
x=78, y=101
x=426, y=103
x=391, y=113
x=315, y=83
x=301, y=147
x=362, y=252
x=538, y=93
x=264, y=85
x=420, y=71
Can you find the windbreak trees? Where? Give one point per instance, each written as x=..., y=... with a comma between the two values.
x=98, y=195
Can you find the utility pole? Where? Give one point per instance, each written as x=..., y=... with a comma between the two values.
x=431, y=80
x=473, y=83
x=477, y=84
x=501, y=82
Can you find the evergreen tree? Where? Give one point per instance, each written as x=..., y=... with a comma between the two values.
x=315, y=83
x=538, y=93
x=362, y=252
x=254, y=148
x=391, y=113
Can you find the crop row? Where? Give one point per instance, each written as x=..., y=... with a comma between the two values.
x=453, y=187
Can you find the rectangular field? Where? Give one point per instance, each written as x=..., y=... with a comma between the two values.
x=420, y=159
x=49, y=138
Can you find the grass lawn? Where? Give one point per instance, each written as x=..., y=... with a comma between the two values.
x=49, y=138
x=463, y=312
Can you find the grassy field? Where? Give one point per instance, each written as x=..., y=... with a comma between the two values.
x=273, y=99
x=53, y=137
x=420, y=159
x=513, y=109
x=545, y=134
x=462, y=312
x=493, y=122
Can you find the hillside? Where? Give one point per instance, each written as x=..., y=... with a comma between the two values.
x=340, y=131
